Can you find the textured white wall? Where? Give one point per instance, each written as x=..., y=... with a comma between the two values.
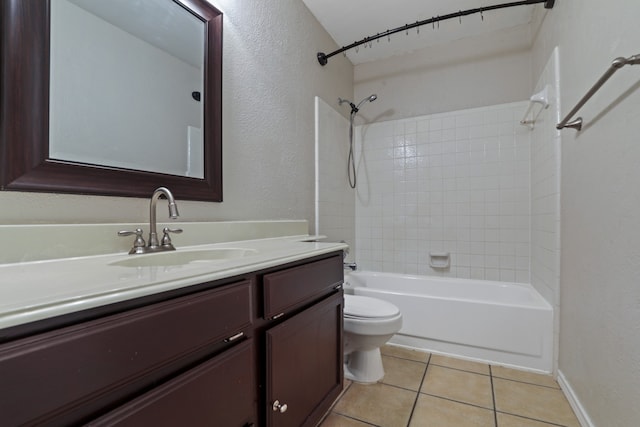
x=335, y=199
x=600, y=206
x=447, y=77
x=270, y=78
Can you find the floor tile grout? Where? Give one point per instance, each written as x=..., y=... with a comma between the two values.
x=404, y=358
x=494, y=376
x=493, y=396
x=495, y=409
x=526, y=382
x=415, y=401
x=455, y=401
x=399, y=387
x=461, y=370
x=357, y=419
x=551, y=423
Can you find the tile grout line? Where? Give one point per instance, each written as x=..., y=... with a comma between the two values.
x=461, y=370
x=406, y=358
x=399, y=387
x=528, y=383
x=503, y=378
x=495, y=410
x=457, y=401
x=493, y=375
x=551, y=423
x=415, y=402
x=493, y=396
x=333, y=405
x=357, y=419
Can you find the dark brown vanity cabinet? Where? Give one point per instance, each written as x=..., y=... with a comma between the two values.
x=213, y=354
x=303, y=352
x=71, y=375
x=304, y=365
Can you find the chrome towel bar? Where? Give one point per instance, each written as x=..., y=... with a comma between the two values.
x=615, y=65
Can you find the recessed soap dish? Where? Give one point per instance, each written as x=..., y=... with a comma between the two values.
x=439, y=260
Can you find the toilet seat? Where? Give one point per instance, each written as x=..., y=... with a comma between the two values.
x=361, y=307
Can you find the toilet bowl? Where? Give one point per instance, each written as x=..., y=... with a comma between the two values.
x=368, y=324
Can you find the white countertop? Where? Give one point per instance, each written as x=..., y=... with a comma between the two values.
x=31, y=291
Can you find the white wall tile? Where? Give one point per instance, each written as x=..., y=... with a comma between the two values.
x=458, y=185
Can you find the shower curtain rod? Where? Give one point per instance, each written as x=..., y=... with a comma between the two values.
x=323, y=58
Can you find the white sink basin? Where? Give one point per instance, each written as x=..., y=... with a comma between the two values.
x=183, y=257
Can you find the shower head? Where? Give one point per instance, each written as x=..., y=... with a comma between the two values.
x=369, y=98
x=356, y=108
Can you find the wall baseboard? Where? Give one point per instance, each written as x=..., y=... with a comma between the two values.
x=577, y=407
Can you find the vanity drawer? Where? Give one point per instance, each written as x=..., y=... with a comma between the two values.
x=286, y=289
x=220, y=392
x=65, y=375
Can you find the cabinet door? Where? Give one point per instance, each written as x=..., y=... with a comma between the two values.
x=304, y=364
x=219, y=392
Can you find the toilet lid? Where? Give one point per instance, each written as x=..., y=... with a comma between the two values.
x=361, y=306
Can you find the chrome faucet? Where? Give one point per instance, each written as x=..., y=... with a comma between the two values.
x=139, y=245
x=173, y=214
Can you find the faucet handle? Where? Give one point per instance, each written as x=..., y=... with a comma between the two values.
x=166, y=240
x=138, y=244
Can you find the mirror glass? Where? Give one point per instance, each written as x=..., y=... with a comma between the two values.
x=126, y=88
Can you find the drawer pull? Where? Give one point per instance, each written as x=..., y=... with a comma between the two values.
x=279, y=407
x=338, y=287
x=277, y=316
x=234, y=337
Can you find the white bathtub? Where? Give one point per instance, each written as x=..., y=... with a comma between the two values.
x=501, y=323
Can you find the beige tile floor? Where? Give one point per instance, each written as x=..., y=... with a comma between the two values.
x=424, y=390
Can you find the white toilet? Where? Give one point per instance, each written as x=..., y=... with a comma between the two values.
x=368, y=324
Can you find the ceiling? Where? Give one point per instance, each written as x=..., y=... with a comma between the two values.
x=351, y=20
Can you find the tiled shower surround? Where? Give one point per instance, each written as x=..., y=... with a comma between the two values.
x=455, y=182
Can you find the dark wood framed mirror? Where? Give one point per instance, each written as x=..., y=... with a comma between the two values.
x=25, y=164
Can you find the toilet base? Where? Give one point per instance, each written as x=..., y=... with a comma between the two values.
x=364, y=366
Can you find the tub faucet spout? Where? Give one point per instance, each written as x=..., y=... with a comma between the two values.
x=351, y=265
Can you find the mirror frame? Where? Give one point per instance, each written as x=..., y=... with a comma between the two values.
x=24, y=115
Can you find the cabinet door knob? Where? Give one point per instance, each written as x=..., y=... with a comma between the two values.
x=277, y=406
